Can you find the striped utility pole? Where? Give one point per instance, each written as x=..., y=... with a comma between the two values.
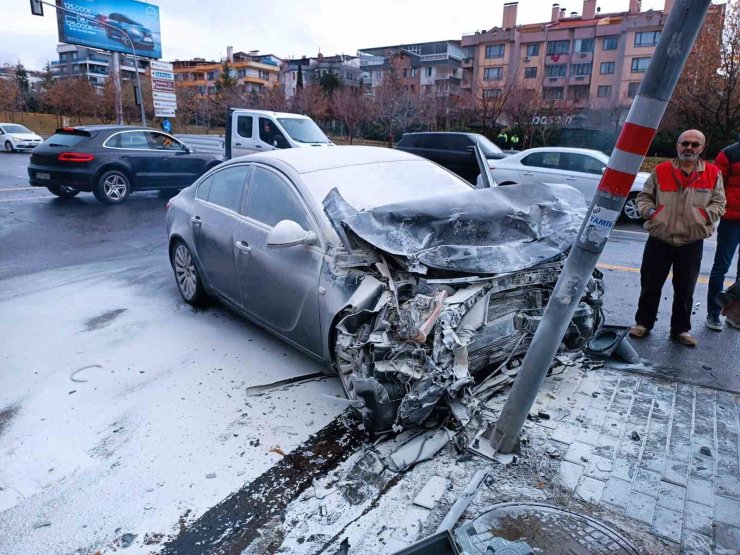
x=674, y=45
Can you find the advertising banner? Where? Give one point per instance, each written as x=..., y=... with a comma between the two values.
x=108, y=24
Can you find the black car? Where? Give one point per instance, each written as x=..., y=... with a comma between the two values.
x=111, y=161
x=452, y=150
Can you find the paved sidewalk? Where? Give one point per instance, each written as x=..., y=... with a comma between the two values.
x=665, y=454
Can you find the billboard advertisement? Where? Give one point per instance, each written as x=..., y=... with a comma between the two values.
x=108, y=24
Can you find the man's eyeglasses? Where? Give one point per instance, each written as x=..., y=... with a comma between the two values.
x=692, y=144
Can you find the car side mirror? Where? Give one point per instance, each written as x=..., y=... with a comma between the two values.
x=189, y=149
x=288, y=233
x=281, y=142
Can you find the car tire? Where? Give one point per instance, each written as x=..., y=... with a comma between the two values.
x=113, y=187
x=187, y=277
x=9, y=147
x=630, y=212
x=62, y=191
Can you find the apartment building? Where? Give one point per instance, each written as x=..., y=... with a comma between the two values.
x=588, y=60
x=93, y=64
x=252, y=71
x=425, y=67
x=346, y=68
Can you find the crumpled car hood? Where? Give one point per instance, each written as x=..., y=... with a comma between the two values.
x=484, y=231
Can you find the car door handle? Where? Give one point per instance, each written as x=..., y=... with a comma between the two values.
x=195, y=220
x=237, y=144
x=570, y=179
x=257, y=146
x=242, y=246
x=528, y=173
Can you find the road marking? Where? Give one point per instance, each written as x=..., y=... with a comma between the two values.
x=21, y=189
x=630, y=269
x=44, y=197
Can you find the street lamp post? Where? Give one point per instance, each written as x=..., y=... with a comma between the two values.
x=133, y=52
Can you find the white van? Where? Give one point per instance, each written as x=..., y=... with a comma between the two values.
x=250, y=131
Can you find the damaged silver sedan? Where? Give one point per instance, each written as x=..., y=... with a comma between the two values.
x=419, y=290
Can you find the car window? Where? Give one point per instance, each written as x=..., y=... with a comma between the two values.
x=543, y=160
x=244, y=126
x=227, y=185
x=160, y=141
x=410, y=141
x=65, y=139
x=134, y=140
x=456, y=142
x=271, y=199
x=592, y=165
x=204, y=189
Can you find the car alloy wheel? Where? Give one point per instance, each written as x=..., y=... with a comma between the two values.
x=186, y=275
x=630, y=210
x=8, y=146
x=113, y=187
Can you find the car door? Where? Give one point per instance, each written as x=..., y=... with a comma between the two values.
x=270, y=137
x=148, y=165
x=216, y=209
x=244, y=137
x=541, y=167
x=583, y=172
x=182, y=167
x=279, y=286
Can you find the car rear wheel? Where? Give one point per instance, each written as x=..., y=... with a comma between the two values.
x=9, y=146
x=63, y=191
x=113, y=187
x=630, y=211
x=187, y=277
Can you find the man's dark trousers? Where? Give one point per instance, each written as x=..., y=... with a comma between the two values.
x=657, y=260
x=728, y=238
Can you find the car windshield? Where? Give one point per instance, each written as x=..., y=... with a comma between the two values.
x=487, y=146
x=64, y=139
x=303, y=130
x=370, y=185
x=16, y=129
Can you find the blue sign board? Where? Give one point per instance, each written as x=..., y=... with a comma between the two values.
x=110, y=24
x=167, y=126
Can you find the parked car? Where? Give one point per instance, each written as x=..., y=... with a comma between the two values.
x=581, y=168
x=18, y=137
x=398, y=274
x=111, y=161
x=249, y=131
x=116, y=24
x=455, y=151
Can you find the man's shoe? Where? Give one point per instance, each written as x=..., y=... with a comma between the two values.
x=714, y=322
x=733, y=323
x=638, y=330
x=685, y=338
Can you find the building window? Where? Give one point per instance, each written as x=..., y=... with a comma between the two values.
x=558, y=47
x=640, y=65
x=530, y=72
x=556, y=70
x=212, y=75
x=493, y=73
x=604, y=91
x=468, y=52
x=492, y=93
x=609, y=43
x=264, y=75
x=495, y=51
x=428, y=71
x=583, y=45
x=580, y=94
x=533, y=50
x=647, y=38
x=632, y=90
x=580, y=69
x=554, y=93
x=606, y=68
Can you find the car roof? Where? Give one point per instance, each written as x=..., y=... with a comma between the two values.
x=465, y=133
x=561, y=149
x=269, y=113
x=109, y=127
x=312, y=159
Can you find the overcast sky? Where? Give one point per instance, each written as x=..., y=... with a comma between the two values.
x=288, y=28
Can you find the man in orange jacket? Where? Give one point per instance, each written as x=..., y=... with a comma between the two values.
x=728, y=237
x=681, y=201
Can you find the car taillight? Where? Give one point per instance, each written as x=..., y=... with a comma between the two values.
x=75, y=157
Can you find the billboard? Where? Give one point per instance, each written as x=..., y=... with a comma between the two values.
x=106, y=23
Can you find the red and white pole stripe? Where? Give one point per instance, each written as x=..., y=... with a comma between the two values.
x=632, y=145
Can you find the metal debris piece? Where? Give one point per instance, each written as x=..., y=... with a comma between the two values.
x=210, y=476
x=431, y=493
x=264, y=388
x=634, y=436
x=42, y=524
x=127, y=539
x=458, y=508
x=419, y=448
x=706, y=451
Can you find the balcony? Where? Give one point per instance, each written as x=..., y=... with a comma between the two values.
x=579, y=80
x=450, y=80
x=467, y=62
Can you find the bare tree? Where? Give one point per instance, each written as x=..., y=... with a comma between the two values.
x=391, y=100
x=352, y=108
x=311, y=101
x=8, y=97
x=187, y=105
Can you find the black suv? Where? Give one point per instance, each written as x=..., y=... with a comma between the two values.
x=113, y=160
x=452, y=150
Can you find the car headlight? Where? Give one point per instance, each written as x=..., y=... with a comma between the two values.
x=18, y=139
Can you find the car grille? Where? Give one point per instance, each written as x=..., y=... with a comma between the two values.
x=498, y=351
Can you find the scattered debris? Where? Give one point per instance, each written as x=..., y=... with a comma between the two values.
x=210, y=476
x=277, y=451
x=295, y=380
x=706, y=451
x=73, y=374
x=127, y=539
x=42, y=524
x=458, y=508
x=431, y=493
x=419, y=448
x=634, y=436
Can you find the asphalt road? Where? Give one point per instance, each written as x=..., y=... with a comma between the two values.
x=40, y=232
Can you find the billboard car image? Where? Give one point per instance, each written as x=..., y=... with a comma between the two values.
x=106, y=23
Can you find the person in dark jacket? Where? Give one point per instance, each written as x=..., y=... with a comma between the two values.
x=681, y=201
x=728, y=236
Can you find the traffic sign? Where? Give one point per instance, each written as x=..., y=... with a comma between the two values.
x=164, y=113
x=165, y=104
x=166, y=96
x=160, y=66
x=163, y=85
x=167, y=126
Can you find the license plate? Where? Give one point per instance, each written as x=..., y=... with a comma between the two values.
x=42, y=175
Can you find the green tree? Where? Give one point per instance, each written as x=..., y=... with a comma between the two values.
x=226, y=81
x=23, y=84
x=330, y=82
